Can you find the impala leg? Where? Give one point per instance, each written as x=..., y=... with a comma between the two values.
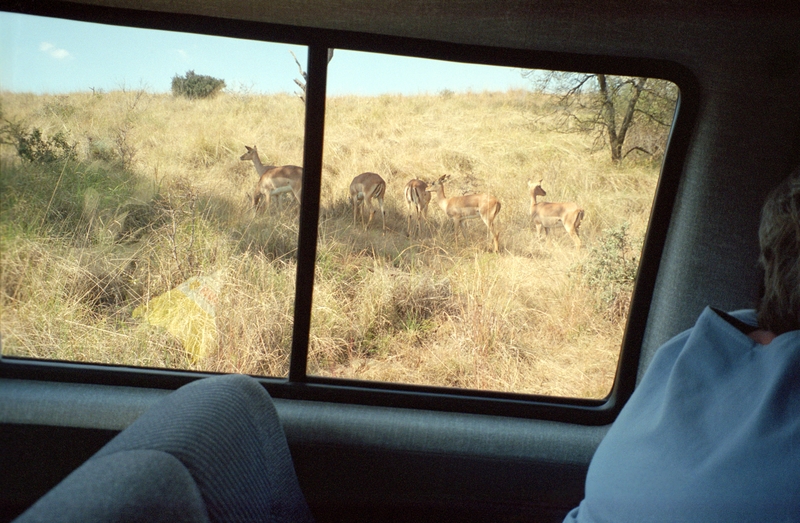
x=368, y=204
x=489, y=231
x=575, y=238
x=492, y=235
x=572, y=230
x=427, y=223
x=383, y=213
x=413, y=209
x=463, y=230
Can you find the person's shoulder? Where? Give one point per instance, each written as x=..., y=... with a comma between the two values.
x=712, y=327
x=743, y=320
x=748, y=316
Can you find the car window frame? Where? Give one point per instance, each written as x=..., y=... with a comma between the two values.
x=298, y=385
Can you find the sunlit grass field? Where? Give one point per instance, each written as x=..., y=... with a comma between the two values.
x=155, y=193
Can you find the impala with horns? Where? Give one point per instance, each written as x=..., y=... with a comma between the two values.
x=363, y=189
x=273, y=180
x=545, y=215
x=483, y=206
x=417, y=199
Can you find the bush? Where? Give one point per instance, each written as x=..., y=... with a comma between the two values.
x=33, y=147
x=611, y=271
x=196, y=85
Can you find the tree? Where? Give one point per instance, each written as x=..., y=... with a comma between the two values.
x=612, y=106
x=302, y=83
x=196, y=85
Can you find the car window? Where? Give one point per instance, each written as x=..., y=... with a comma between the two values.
x=129, y=234
x=452, y=155
x=150, y=210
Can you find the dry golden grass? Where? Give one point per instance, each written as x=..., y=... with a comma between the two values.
x=158, y=194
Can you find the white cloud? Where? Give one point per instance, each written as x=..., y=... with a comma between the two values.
x=53, y=51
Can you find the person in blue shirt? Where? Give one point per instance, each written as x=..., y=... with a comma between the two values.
x=712, y=432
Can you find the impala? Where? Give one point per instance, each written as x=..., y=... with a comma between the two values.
x=466, y=207
x=417, y=199
x=548, y=214
x=363, y=189
x=273, y=179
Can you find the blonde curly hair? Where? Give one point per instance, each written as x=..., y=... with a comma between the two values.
x=779, y=237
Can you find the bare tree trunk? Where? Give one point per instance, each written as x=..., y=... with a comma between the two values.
x=616, y=138
x=610, y=119
x=302, y=83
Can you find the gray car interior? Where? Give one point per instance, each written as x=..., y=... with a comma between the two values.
x=373, y=461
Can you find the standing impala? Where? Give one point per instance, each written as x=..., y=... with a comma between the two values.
x=468, y=206
x=417, y=199
x=363, y=189
x=548, y=214
x=273, y=179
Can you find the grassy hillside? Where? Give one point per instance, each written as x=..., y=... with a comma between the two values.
x=154, y=193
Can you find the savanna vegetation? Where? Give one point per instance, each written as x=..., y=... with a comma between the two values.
x=193, y=85
x=112, y=199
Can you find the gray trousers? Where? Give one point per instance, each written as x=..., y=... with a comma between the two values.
x=213, y=450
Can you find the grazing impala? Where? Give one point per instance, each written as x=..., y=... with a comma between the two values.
x=273, y=179
x=417, y=199
x=363, y=189
x=468, y=206
x=548, y=214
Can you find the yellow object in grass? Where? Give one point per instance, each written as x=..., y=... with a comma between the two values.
x=188, y=312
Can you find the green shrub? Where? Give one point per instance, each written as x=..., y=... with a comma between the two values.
x=196, y=85
x=611, y=270
x=31, y=146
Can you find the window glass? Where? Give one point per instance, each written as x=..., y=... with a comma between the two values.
x=130, y=163
x=127, y=229
x=408, y=300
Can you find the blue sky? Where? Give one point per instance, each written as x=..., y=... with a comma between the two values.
x=42, y=55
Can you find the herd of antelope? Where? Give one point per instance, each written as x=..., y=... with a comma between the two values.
x=369, y=186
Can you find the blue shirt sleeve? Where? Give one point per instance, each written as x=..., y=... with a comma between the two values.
x=712, y=433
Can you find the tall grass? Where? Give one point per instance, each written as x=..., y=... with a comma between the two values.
x=157, y=194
